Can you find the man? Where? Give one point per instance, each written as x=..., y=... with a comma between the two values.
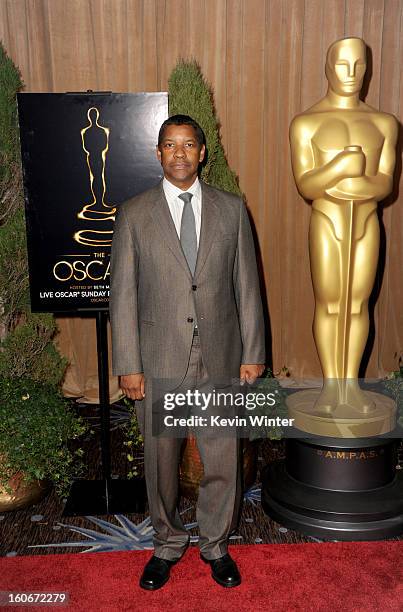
x=185, y=305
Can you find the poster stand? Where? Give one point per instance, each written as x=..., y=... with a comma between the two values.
x=107, y=495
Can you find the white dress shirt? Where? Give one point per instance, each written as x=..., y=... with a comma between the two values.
x=176, y=204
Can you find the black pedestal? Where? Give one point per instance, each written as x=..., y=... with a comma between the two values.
x=337, y=489
x=89, y=497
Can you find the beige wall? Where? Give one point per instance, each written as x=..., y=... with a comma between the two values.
x=265, y=61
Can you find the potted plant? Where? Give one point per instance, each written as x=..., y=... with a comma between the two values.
x=36, y=425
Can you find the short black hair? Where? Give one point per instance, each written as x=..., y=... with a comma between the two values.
x=182, y=120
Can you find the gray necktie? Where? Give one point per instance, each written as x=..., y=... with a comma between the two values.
x=188, y=236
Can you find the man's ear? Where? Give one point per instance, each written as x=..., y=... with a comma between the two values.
x=158, y=152
x=202, y=153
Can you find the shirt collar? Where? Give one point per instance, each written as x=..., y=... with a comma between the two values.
x=171, y=191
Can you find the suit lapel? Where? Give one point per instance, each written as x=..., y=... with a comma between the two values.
x=209, y=222
x=166, y=227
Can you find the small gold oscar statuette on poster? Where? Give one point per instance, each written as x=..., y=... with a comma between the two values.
x=95, y=142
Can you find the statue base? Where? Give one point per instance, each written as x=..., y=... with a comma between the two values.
x=345, y=489
x=342, y=421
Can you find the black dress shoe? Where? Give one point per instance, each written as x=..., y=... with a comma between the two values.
x=224, y=571
x=156, y=573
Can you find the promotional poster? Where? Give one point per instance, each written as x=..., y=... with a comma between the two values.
x=82, y=155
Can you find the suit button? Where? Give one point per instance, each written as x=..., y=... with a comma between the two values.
x=190, y=320
x=194, y=287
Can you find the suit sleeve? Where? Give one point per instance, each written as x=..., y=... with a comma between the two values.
x=247, y=294
x=123, y=305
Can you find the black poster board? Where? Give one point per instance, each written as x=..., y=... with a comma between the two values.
x=82, y=155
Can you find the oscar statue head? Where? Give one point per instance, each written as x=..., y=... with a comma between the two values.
x=346, y=65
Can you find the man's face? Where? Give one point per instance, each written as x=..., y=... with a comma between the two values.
x=346, y=67
x=180, y=155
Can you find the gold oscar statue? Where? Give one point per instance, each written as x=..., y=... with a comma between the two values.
x=343, y=158
x=95, y=142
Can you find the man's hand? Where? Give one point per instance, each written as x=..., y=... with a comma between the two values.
x=132, y=386
x=250, y=372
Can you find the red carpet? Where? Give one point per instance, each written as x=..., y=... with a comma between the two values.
x=280, y=577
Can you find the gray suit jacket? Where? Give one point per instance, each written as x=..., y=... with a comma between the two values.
x=153, y=297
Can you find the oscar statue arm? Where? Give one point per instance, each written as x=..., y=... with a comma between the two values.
x=123, y=304
x=314, y=182
x=375, y=187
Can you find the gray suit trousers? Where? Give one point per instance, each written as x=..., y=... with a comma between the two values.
x=219, y=492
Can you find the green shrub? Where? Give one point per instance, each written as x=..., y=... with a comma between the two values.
x=26, y=347
x=190, y=94
x=36, y=424
x=133, y=440
x=394, y=386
